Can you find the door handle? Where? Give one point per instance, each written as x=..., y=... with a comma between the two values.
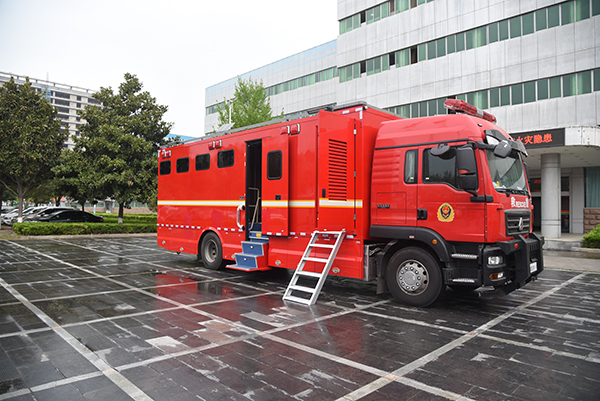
x=421, y=214
x=239, y=210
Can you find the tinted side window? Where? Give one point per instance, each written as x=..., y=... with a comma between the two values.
x=274, y=164
x=203, y=162
x=165, y=167
x=225, y=158
x=183, y=165
x=440, y=170
x=410, y=167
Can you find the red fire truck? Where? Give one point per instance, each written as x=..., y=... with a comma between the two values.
x=416, y=204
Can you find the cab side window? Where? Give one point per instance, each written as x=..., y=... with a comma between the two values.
x=410, y=167
x=440, y=170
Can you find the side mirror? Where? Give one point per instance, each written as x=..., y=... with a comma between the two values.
x=467, y=168
x=503, y=149
x=441, y=150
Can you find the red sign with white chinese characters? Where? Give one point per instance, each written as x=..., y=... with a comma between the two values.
x=541, y=139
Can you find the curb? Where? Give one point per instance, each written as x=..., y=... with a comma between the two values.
x=28, y=237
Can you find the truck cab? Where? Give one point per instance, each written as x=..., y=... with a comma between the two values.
x=450, y=198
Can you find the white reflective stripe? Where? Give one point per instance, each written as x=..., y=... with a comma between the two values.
x=275, y=203
x=337, y=203
x=199, y=203
x=302, y=203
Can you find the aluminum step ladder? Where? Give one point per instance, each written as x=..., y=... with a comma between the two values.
x=315, y=279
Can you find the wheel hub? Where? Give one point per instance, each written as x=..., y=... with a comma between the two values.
x=211, y=252
x=412, y=277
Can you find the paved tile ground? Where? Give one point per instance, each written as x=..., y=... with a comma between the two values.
x=118, y=319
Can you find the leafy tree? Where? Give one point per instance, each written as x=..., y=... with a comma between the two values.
x=31, y=139
x=69, y=181
x=250, y=105
x=120, y=142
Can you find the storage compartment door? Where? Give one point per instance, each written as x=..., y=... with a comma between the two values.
x=276, y=185
x=336, y=178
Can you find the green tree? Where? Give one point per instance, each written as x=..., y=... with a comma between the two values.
x=31, y=139
x=250, y=105
x=70, y=180
x=120, y=142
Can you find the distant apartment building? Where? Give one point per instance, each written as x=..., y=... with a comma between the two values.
x=67, y=99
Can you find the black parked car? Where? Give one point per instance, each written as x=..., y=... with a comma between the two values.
x=71, y=216
x=41, y=213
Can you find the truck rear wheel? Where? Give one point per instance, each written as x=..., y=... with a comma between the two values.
x=211, y=252
x=414, y=277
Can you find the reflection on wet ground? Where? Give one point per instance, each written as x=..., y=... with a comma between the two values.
x=118, y=319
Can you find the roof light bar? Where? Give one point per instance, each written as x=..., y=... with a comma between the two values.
x=460, y=106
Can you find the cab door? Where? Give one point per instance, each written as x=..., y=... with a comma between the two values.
x=443, y=206
x=275, y=185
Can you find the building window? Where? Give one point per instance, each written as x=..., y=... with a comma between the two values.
x=527, y=22
x=350, y=72
x=567, y=11
x=529, y=92
x=402, y=58
x=378, y=12
x=584, y=82
x=569, y=85
x=553, y=16
x=460, y=42
x=542, y=89
x=62, y=94
x=349, y=24
x=378, y=64
x=541, y=20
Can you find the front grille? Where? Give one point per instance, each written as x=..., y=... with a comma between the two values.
x=518, y=222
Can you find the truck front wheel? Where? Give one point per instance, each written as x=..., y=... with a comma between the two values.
x=211, y=252
x=414, y=277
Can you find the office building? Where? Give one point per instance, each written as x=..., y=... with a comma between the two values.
x=67, y=99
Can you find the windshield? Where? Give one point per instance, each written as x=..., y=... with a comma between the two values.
x=507, y=173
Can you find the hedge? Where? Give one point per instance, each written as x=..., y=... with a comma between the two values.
x=592, y=239
x=132, y=224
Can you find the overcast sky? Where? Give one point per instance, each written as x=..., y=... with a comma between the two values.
x=176, y=48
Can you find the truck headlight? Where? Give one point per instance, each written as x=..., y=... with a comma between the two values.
x=495, y=260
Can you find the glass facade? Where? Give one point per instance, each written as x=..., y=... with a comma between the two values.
x=526, y=92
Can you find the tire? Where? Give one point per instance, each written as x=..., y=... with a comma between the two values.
x=211, y=252
x=414, y=277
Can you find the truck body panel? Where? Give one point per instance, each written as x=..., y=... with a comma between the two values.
x=398, y=188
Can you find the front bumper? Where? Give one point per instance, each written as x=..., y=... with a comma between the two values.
x=522, y=262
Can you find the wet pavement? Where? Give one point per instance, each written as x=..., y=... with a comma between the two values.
x=120, y=318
